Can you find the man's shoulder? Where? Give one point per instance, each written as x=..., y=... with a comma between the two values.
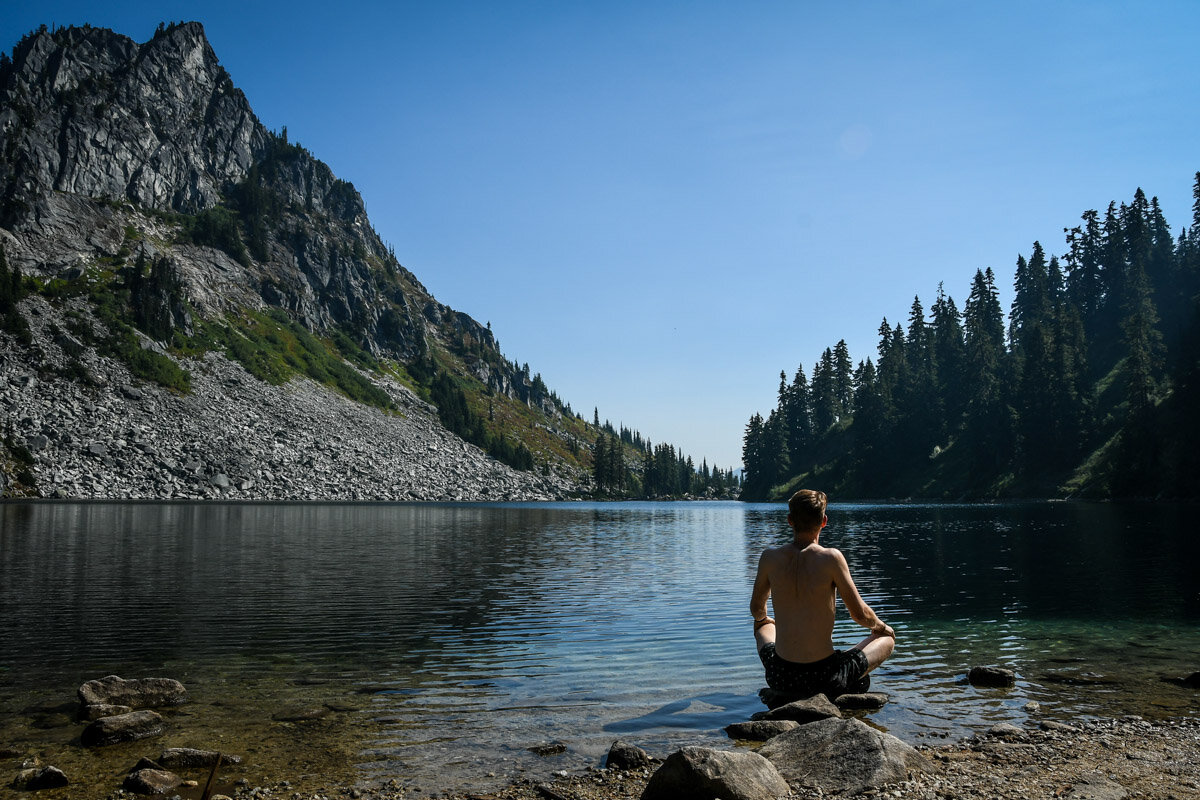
x=828, y=555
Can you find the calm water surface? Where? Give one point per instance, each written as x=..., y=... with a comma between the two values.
x=447, y=639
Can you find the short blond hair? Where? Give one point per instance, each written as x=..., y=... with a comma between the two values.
x=807, y=509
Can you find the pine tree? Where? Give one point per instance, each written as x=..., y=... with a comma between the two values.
x=949, y=357
x=824, y=394
x=753, y=460
x=600, y=462
x=1085, y=279
x=1142, y=364
x=872, y=430
x=799, y=420
x=988, y=420
x=843, y=379
x=920, y=405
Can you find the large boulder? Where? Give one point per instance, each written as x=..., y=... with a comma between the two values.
x=122, y=728
x=701, y=773
x=135, y=693
x=841, y=755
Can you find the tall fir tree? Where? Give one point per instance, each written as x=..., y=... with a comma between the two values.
x=988, y=420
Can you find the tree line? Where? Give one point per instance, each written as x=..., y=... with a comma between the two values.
x=624, y=464
x=1087, y=387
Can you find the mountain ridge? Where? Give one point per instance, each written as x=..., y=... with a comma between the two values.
x=154, y=228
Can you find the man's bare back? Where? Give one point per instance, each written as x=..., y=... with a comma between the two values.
x=801, y=582
x=804, y=579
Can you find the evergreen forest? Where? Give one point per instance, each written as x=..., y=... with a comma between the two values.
x=625, y=465
x=1088, y=388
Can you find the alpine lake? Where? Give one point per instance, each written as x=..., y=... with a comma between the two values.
x=431, y=646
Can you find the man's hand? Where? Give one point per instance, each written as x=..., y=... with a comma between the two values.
x=881, y=628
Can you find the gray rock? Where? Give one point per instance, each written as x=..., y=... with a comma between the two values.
x=135, y=693
x=1057, y=727
x=806, y=710
x=550, y=749
x=122, y=728
x=700, y=772
x=991, y=677
x=1006, y=730
x=188, y=758
x=761, y=730
x=220, y=480
x=841, y=755
x=863, y=701
x=622, y=755
x=300, y=714
x=1095, y=786
x=95, y=711
x=151, y=781
x=32, y=780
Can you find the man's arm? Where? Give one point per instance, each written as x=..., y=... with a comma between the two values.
x=860, y=612
x=762, y=591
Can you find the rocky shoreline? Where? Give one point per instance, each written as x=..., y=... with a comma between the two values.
x=810, y=748
x=233, y=437
x=1098, y=759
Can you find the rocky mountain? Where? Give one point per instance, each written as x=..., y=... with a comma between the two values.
x=190, y=295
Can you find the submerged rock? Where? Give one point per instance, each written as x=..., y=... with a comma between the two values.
x=992, y=677
x=122, y=728
x=32, y=780
x=553, y=749
x=135, y=693
x=300, y=714
x=151, y=781
x=91, y=713
x=864, y=701
x=189, y=758
x=704, y=772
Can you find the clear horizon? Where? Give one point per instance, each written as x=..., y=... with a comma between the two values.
x=661, y=206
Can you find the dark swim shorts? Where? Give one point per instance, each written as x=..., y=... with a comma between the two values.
x=844, y=672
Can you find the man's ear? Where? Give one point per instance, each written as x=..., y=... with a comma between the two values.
x=824, y=520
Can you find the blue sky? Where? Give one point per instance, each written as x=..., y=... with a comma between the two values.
x=660, y=205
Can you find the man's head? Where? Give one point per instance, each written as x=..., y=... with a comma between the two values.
x=806, y=510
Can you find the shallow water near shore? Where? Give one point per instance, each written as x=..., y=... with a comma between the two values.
x=435, y=644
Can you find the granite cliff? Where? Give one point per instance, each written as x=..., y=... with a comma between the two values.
x=167, y=247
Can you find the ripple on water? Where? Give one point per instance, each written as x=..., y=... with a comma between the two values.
x=452, y=638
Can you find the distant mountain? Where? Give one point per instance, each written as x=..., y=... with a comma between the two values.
x=163, y=251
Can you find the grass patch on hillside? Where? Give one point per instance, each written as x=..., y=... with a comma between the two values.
x=274, y=348
x=110, y=304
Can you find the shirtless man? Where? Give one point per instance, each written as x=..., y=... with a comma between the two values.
x=798, y=652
